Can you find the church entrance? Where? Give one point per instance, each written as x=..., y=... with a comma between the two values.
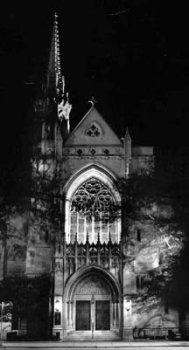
x=83, y=315
x=102, y=315
x=93, y=309
x=92, y=315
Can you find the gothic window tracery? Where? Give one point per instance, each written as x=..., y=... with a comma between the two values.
x=93, y=131
x=91, y=208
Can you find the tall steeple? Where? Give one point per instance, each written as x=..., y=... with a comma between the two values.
x=56, y=81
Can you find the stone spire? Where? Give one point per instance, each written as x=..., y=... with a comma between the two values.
x=56, y=81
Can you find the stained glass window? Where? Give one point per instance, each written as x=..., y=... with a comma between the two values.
x=91, y=209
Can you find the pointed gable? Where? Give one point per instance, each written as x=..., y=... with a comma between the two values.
x=93, y=130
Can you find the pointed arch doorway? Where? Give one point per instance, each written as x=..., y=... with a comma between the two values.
x=93, y=306
x=92, y=297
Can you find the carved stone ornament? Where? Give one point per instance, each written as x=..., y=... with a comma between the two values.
x=92, y=285
x=93, y=131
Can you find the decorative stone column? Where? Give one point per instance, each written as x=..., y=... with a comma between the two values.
x=70, y=314
x=117, y=315
x=114, y=314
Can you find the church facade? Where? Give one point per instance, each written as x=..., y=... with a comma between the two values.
x=89, y=271
x=93, y=269
x=92, y=282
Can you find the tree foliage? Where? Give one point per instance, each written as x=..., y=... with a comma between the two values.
x=155, y=210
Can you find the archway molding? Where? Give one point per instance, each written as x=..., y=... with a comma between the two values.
x=85, y=272
x=91, y=170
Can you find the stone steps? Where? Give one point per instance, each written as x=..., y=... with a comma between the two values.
x=97, y=335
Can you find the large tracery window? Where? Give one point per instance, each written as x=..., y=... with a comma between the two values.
x=92, y=209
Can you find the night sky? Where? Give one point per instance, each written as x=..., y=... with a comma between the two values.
x=132, y=56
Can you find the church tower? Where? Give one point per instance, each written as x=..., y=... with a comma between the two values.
x=55, y=105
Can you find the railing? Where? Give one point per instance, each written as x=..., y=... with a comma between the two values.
x=172, y=333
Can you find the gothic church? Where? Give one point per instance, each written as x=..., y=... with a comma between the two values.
x=92, y=287
x=93, y=279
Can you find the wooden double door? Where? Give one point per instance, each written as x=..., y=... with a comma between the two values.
x=92, y=315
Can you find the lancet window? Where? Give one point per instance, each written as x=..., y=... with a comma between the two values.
x=92, y=213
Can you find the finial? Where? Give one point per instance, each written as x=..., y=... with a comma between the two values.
x=93, y=101
x=127, y=134
x=98, y=237
x=87, y=237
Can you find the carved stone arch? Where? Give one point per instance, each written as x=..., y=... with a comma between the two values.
x=98, y=307
x=83, y=273
x=89, y=170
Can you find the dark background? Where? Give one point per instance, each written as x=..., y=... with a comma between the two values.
x=132, y=56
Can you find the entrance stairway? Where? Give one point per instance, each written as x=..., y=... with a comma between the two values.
x=89, y=336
